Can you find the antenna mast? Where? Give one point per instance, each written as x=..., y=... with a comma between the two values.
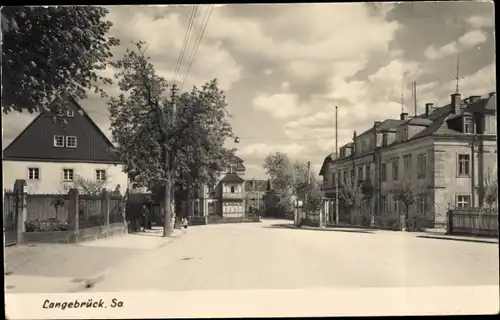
x=402, y=98
x=458, y=74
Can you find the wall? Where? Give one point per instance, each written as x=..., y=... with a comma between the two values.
x=446, y=173
x=51, y=174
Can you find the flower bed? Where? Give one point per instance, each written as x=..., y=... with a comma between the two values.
x=49, y=225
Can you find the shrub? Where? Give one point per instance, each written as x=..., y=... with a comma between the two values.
x=52, y=224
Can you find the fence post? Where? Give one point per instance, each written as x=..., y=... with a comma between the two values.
x=21, y=190
x=74, y=213
x=449, y=229
x=105, y=209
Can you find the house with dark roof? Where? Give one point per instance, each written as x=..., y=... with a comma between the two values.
x=60, y=146
x=227, y=197
x=443, y=155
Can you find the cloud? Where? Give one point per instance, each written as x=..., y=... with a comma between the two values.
x=432, y=53
x=261, y=150
x=481, y=21
x=467, y=41
x=279, y=105
x=472, y=38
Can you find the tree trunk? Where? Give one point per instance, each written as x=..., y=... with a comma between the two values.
x=167, y=218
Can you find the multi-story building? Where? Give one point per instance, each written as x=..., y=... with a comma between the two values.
x=227, y=197
x=445, y=156
x=63, y=149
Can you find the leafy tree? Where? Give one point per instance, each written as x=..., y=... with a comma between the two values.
x=407, y=196
x=490, y=188
x=290, y=178
x=50, y=50
x=90, y=186
x=161, y=149
x=352, y=194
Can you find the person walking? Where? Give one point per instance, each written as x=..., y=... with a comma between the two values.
x=144, y=217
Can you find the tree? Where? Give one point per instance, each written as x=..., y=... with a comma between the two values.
x=352, y=194
x=47, y=51
x=407, y=196
x=161, y=149
x=293, y=178
x=490, y=188
x=90, y=186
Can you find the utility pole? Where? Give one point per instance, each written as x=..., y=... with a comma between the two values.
x=306, y=205
x=415, y=97
x=167, y=222
x=336, y=171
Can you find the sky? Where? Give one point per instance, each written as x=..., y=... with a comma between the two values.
x=285, y=67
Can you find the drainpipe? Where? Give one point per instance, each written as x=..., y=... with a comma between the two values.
x=473, y=178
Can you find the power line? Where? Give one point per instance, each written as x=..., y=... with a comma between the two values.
x=185, y=42
x=195, y=49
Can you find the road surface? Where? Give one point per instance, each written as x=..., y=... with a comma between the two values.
x=269, y=256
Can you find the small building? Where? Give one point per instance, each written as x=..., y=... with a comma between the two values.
x=63, y=149
x=227, y=197
x=255, y=192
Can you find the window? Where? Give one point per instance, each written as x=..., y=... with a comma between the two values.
x=421, y=165
x=59, y=141
x=422, y=205
x=333, y=179
x=59, y=111
x=383, y=205
x=33, y=174
x=383, y=172
x=384, y=139
x=395, y=169
x=70, y=142
x=68, y=174
x=345, y=176
x=395, y=204
x=352, y=175
x=233, y=189
x=100, y=175
x=70, y=113
x=232, y=169
x=368, y=172
x=360, y=173
x=468, y=125
x=405, y=134
x=463, y=201
x=407, y=165
x=463, y=164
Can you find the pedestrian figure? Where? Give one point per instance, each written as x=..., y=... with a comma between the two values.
x=185, y=223
x=144, y=217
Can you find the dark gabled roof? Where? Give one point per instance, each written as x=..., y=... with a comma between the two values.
x=26, y=145
x=328, y=159
x=256, y=185
x=389, y=124
x=232, y=178
x=419, y=121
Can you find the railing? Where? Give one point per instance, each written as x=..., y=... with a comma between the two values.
x=232, y=195
x=475, y=221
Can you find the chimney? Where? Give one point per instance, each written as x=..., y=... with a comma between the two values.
x=376, y=124
x=473, y=99
x=429, y=107
x=455, y=103
x=403, y=116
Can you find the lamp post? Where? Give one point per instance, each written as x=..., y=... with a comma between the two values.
x=476, y=146
x=298, y=205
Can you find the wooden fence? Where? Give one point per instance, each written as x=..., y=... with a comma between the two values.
x=473, y=221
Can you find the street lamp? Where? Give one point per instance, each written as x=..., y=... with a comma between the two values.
x=298, y=205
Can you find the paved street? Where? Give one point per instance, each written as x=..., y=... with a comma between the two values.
x=270, y=256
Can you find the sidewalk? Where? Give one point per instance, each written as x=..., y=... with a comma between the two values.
x=437, y=234
x=62, y=268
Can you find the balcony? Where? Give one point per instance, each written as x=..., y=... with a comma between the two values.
x=233, y=195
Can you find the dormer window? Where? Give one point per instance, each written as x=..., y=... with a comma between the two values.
x=405, y=134
x=384, y=139
x=468, y=125
x=70, y=113
x=232, y=169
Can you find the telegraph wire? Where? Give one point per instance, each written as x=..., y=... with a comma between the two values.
x=187, y=36
x=195, y=49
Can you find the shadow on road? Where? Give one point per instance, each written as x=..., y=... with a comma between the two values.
x=290, y=226
x=458, y=239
